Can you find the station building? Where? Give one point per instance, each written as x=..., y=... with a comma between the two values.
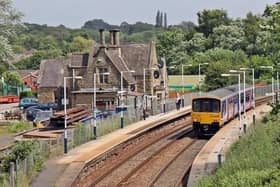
x=106, y=61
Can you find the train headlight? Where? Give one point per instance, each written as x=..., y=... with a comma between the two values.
x=195, y=120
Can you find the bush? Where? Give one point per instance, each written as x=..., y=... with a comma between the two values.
x=27, y=94
x=252, y=161
x=19, y=127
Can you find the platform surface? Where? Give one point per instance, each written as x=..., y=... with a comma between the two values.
x=63, y=170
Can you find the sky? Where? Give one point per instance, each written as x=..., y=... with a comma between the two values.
x=74, y=13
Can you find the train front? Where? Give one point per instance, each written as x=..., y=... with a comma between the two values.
x=206, y=115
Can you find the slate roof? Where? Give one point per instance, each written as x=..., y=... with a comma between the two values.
x=137, y=56
x=119, y=63
x=79, y=59
x=52, y=73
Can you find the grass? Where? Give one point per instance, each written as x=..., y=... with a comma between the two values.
x=19, y=126
x=252, y=161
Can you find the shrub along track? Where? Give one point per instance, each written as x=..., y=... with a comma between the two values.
x=117, y=164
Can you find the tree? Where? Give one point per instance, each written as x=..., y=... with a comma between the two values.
x=271, y=24
x=251, y=28
x=8, y=18
x=12, y=78
x=158, y=19
x=198, y=43
x=165, y=20
x=80, y=44
x=161, y=20
x=228, y=37
x=209, y=19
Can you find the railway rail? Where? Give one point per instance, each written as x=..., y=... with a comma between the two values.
x=127, y=158
x=158, y=158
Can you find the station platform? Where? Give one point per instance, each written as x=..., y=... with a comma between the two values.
x=206, y=162
x=63, y=171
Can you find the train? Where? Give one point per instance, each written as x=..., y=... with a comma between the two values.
x=214, y=109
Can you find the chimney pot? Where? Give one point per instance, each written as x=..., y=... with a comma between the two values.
x=102, y=37
x=114, y=35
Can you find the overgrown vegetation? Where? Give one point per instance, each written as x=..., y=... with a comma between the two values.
x=27, y=152
x=19, y=126
x=254, y=160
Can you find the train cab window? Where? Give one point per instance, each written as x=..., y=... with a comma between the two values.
x=206, y=106
x=196, y=106
x=215, y=106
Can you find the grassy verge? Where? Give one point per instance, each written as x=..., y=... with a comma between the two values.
x=19, y=126
x=252, y=161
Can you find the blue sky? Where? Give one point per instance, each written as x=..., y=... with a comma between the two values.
x=73, y=13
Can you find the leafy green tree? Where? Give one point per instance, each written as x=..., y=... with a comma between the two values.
x=251, y=28
x=198, y=43
x=12, y=77
x=8, y=18
x=80, y=44
x=228, y=37
x=209, y=19
x=213, y=78
x=271, y=24
x=34, y=61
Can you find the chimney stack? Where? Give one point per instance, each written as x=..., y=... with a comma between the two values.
x=115, y=37
x=102, y=37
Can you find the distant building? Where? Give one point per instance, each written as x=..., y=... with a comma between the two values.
x=29, y=78
x=107, y=61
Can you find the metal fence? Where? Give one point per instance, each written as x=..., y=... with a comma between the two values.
x=21, y=172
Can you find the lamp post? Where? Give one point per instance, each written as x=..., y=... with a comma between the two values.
x=253, y=82
x=199, y=69
x=122, y=105
x=65, y=112
x=244, y=89
x=239, y=94
x=144, y=89
x=94, y=101
x=183, y=81
x=272, y=79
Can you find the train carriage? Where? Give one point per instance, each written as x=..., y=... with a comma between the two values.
x=213, y=110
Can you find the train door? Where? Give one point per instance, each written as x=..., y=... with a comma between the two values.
x=230, y=108
x=224, y=110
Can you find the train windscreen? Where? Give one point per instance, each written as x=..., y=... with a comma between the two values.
x=206, y=105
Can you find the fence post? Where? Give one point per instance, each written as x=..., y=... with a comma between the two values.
x=12, y=174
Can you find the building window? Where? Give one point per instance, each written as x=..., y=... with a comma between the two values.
x=103, y=79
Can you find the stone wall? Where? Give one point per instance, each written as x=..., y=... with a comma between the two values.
x=46, y=95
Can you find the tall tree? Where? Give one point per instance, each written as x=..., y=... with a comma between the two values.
x=209, y=19
x=251, y=26
x=158, y=19
x=161, y=19
x=165, y=20
x=9, y=17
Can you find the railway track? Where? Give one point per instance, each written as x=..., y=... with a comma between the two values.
x=157, y=169
x=161, y=157
x=126, y=159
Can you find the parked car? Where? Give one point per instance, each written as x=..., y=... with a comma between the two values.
x=27, y=102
